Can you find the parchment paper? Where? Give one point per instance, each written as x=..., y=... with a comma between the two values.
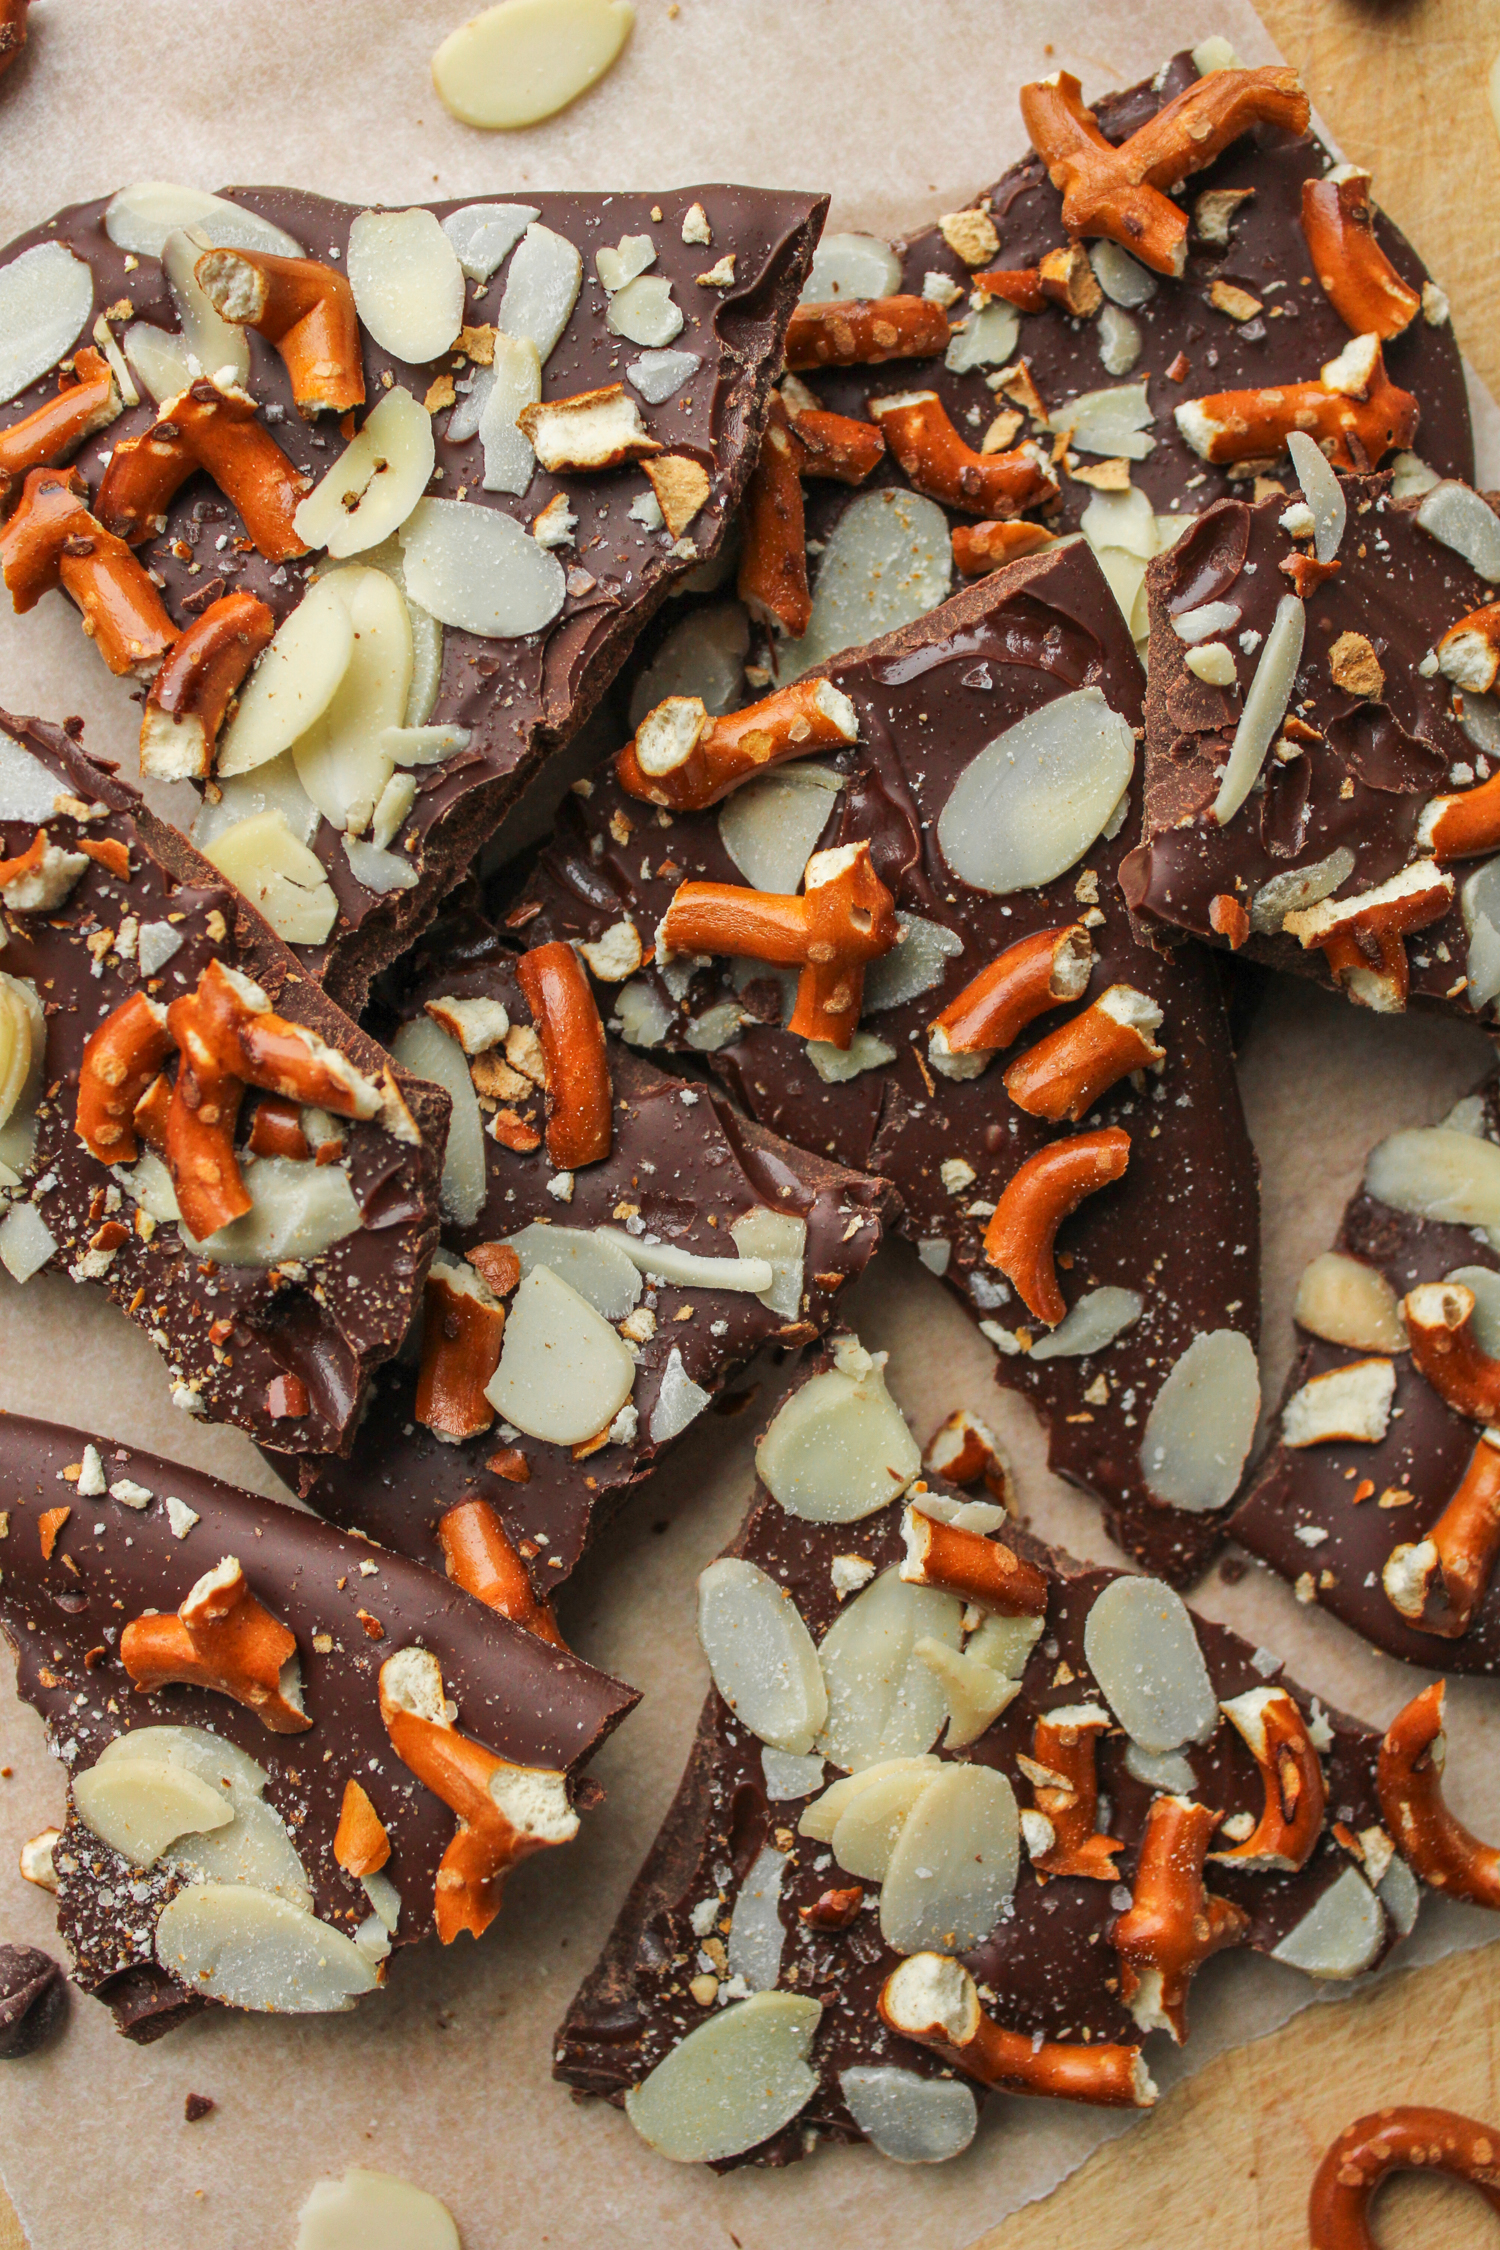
x=903, y=108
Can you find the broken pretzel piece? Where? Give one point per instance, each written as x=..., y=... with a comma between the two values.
x=1445, y=1348
x=505, y=1812
x=360, y=1843
x=1462, y=826
x=1364, y=938
x=479, y=1557
x=1409, y=1776
x=1063, y=1774
x=200, y=675
x=1046, y=1190
x=1270, y=1724
x=305, y=309
x=964, y=1450
x=120, y=1061
x=222, y=1638
x=1354, y=429
x=1038, y=973
x=1119, y=192
x=1063, y=1075
x=87, y=401
x=1437, y=1583
x=216, y=430
x=979, y=548
x=1355, y=274
x=463, y=1327
x=1402, y=2138
x=935, y=2001
x=978, y=1570
x=1171, y=1925
x=865, y=332
x=53, y=540
x=562, y=1004
x=936, y=461
x=846, y=919
x=805, y=442
x=681, y=757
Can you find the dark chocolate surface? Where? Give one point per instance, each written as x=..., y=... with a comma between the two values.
x=684, y=1165
x=1419, y=1462
x=356, y=1301
x=1297, y=332
x=1048, y=1969
x=1182, y=1225
x=520, y=697
x=1362, y=787
x=528, y=1702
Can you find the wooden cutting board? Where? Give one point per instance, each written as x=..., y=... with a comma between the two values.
x=1229, y=2158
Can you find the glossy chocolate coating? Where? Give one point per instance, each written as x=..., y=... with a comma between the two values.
x=521, y=696
x=1423, y=1454
x=528, y=1702
x=1267, y=246
x=33, y=2000
x=687, y=1165
x=358, y=1298
x=1181, y=1227
x=1362, y=787
x=1049, y=1964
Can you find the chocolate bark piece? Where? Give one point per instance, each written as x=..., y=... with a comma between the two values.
x=33, y=2000
x=279, y=1334
x=1374, y=731
x=1048, y=1968
x=1180, y=1229
x=684, y=1170
x=1188, y=346
x=1329, y=1516
x=513, y=697
x=138, y=1533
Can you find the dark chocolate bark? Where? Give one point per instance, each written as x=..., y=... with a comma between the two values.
x=336, y=1316
x=518, y=697
x=1048, y=1969
x=1267, y=256
x=684, y=1166
x=1358, y=788
x=33, y=2000
x=531, y=1703
x=1328, y=1516
x=1181, y=1228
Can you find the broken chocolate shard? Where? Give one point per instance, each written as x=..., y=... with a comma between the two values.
x=1372, y=733
x=33, y=2000
x=685, y=1172
x=1368, y=1514
x=1159, y=1262
x=146, y=1854
x=507, y=680
x=730, y=1902
x=275, y=1320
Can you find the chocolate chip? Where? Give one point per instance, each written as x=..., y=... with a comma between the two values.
x=198, y=2105
x=33, y=1999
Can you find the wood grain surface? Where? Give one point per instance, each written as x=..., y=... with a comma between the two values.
x=1230, y=2156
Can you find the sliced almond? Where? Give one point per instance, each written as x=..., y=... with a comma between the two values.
x=911, y=2120
x=780, y=1238
x=214, y=346
x=541, y=289
x=376, y=482
x=1099, y=1316
x=954, y=1865
x=141, y=216
x=976, y=1693
x=761, y=1655
x=408, y=284
x=1459, y=517
x=1483, y=1284
x=1340, y=1935
x=1115, y=422
x=339, y=759
x=46, y=296
x=477, y=569
x=514, y=65
x=732, y=2083
x=483, y=235
x=756, y=1936
x=884, y=1700
x=917, y=963
x=986, y=338
x=139, y=1807
x=227, y=1941
x=851, y=266
x=294, y=682
x=839, y=1449
x=822, y=1817
x=26, y=1241
x=645, y=312
x=1036, y=797
x=516, y=383
x=888, y=561
x=1124, y=280
x=23, y=1044
x=375, y=2211
x=282, y=879
x=864, y=1836
x=1142, y=1648
x=1436, y=1173
x=426, y=1050
x=770, y=827
x=298, y=1210
x=1346, y=1301
x=1201, y=1422
x=589, y=1259
x=563, y=1374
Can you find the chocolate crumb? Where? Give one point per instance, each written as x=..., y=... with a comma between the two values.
x=198, y=2105
x=33, y=1999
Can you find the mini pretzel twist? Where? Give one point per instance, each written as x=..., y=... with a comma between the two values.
x=1047, y=1189
x=681, y=757
x=305, y=309
x=1038, y=973
x=845, y=920
x=935, y=2002
x=479, y=1557
x=54, y=541
x=1118, y=191
x=1438, y=1582
x=1404, y=2138
x=936, y=461
x=1356, y=276
x=1063, y=1774
x=1409, y=1777
x=561, y=1000
x=222, y=1638
x=1172, y=1925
